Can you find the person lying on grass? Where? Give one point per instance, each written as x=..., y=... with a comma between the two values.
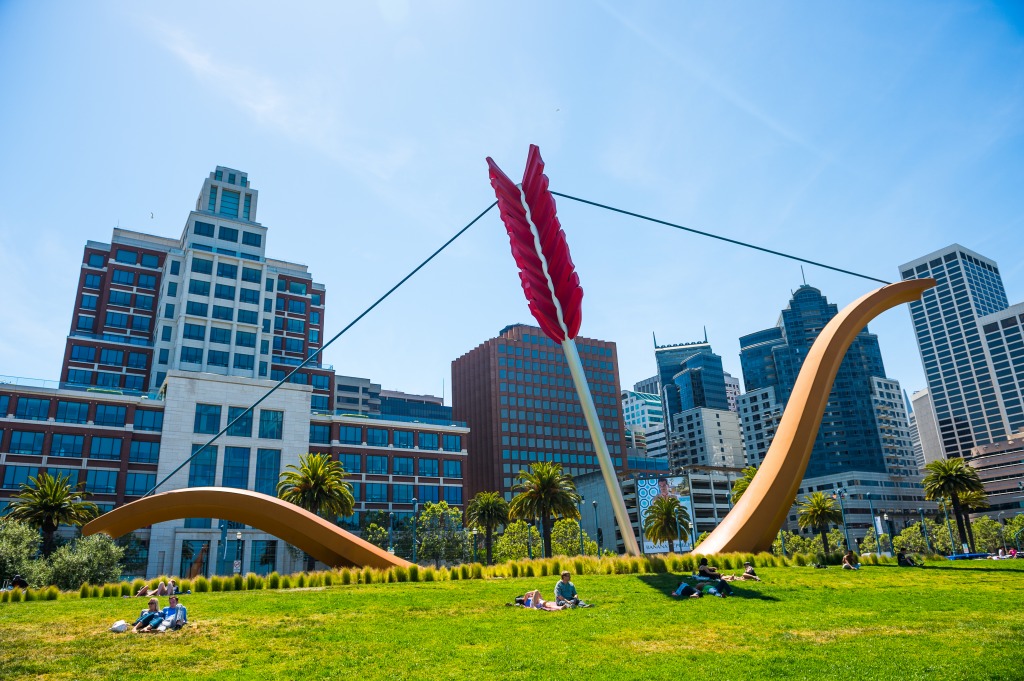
x=533, y=600
x=717, y=587
x=150, y=620
x=748, y=575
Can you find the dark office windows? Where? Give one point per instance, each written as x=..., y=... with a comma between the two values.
x=207, y=419
x=271, y=424
x=244, y=426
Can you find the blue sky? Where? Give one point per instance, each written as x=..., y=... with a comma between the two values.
x=863, y=135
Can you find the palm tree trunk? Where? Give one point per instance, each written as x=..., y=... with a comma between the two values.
x=671, y=549
x=487, y=542
x=959, y=518
x=824, y=542
x=545, y=527
x=49, y=537
x=970, y=531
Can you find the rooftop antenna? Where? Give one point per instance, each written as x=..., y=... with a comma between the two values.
x=705, y=333
x=442, y=392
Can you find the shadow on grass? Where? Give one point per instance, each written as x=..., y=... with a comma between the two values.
x=667, y=583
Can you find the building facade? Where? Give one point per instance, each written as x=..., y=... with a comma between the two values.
x=1000, y=467
x=517, y=396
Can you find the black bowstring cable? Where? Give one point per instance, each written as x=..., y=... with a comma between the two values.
x=317, y=353
x=720, y=238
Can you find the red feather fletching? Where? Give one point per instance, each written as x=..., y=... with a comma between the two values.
x=539, y=247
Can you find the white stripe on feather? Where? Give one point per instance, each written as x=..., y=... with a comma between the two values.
x=543, y=260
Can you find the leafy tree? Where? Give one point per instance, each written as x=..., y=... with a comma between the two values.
x=972, y=501
x=95, y=559
x=376, y=535
x=565, y=539
x=1013, y=526
x=666, y=520
x=948, y=479
x=512, y=544
x=837, y=540
x=740, y=486
x=794, y=543
x=487, y=511
x=19, y=544
x=700, y=539
x=870, y=543
x=988, y=534
x=440, y=533
x=911, y=539
x=318, y=485
x=817, y=512
x=46, y=502
x=544, y=492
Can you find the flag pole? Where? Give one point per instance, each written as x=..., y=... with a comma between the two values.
x=579, y=378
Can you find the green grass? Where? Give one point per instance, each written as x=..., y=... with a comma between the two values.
x=947, y=621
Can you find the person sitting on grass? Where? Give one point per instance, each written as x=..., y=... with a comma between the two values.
x=708, y=571
x=150, y=620
x=903, y=560
x=748, y=573
x=533, y=600
x=175, y=616
x=565, y=593
x=850, y=561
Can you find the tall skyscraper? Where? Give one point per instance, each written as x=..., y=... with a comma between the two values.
x=517, y=396
x=209, y=301
x=923, y=422
x=849, y=437
x=970, y=409
x=732, y=390
x=690, y=375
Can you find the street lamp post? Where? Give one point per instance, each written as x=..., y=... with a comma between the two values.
x=238, y=551
x=391, y=525
x=415, y=519
x=475, y=533
x=782, y=539
x=924, y=530
x=1002, y=529
x=529, y=541
x=597, y=528
x=679, y=533
x=840, y=493
x=889, y=526
x=579, y=509
x=878, y=536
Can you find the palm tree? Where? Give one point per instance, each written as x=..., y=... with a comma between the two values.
x=543, y=492
x=318, y=485
x=47, y=502
x=741, y=485
x=818, y=511
x=949, y=478
x=487, y=510
x=972, y=501
x=665, y=520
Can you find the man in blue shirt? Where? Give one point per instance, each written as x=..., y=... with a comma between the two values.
x=175, y=615
x=565, y=592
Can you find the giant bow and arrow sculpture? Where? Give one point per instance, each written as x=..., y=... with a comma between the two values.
x=554, y=294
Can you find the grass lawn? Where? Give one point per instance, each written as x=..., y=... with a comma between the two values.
x=946, y=621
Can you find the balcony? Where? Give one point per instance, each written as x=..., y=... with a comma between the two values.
x=402, y=419
x=60, y=385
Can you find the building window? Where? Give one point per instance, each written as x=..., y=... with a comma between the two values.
x=92, y=281
x=243, y=428
x=222, y=312
x=72, y=412
x=377, y=465
x=224, y=292
x=109, y=415
x=118, y=320
x=150, y=260
x=105, y=448
x=352, y=463
x=402, y=466
x=297, y=307
x=248, y=238
x=268, y=468
x=401, y=494
x=376, y=492
x=319, y=434
x=428, y=441
x=111, y=357
x=83, y=353
x=108, y=380
x=141, y=451
x=198, y=287
x=88, y=302
x=196, y=309
x=453, y=495
x=149, y=420
x=350, y=435
x=147, y=281
x=244, y=339
x=32, y=409
x=99, y=481
x=253, y=276
x=124, y=277
x=63, y=444
x=453, y=469
x=236, y=467
x=168, y=314
x=127, y=257
x=175, y=267
x=377, y=437
x=96, y=260
x=137, y=360
x=229, y=207
x=204, y=228
x=217, y=358
x=191, y=355
x=207, y=419
x=202, y=469
x=271, y=424
x=452, y=443
x=16, y=476
x=122, y=298
x=428, y=468
x=85, y=323
x=227, y=270
x=137, y=484
x=428, y=493
x=202, y=266
x=263, y=559
x=403, y=439
x=244, y=361
x=249, y=296
x=79, y=377
x=164, y=356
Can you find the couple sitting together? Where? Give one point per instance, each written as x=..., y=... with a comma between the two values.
x=565, y=597
x=711, y=582
x=154, y=620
